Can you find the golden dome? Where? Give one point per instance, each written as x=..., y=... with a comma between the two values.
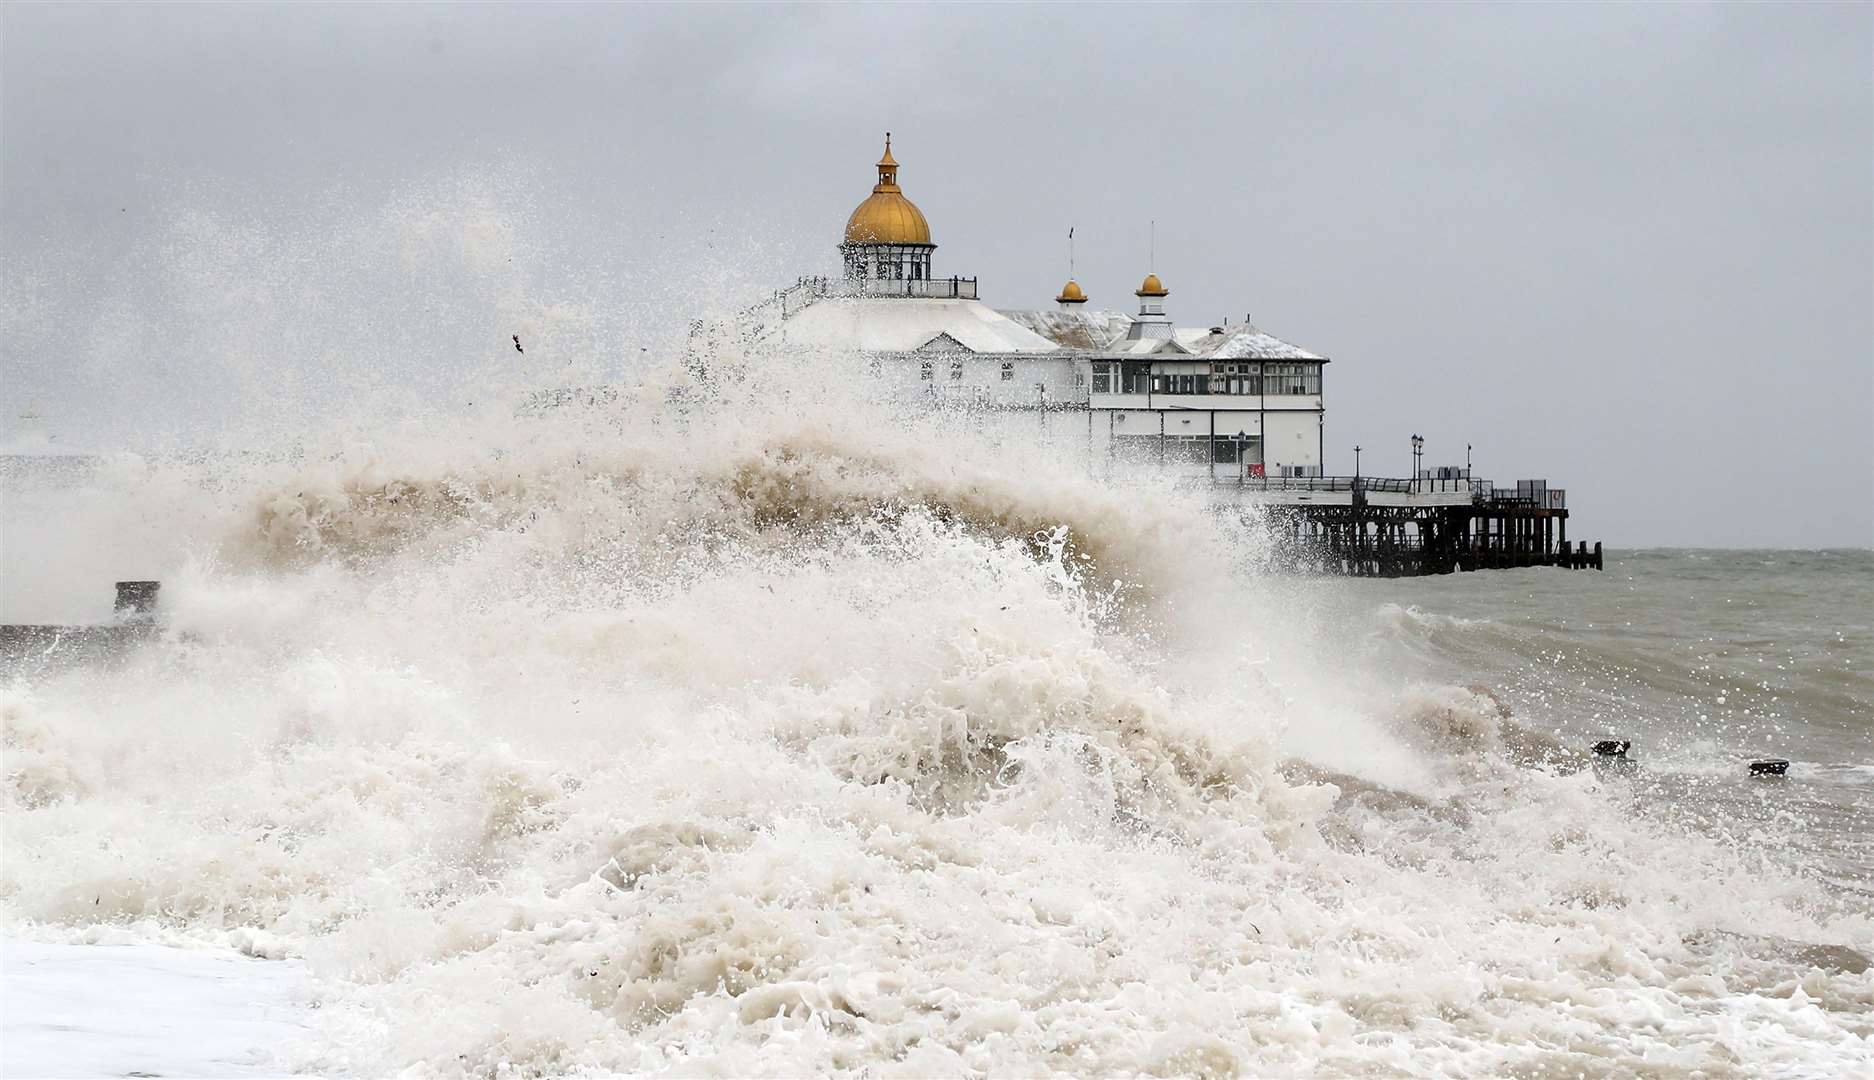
x=1071, y=293
x=886, y=216
x=1152, y=287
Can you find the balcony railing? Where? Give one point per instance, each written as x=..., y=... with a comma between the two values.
x=1481, y=492
x=950, y=288
x=1299, y=483
x=1531, y=493
x=804, y=292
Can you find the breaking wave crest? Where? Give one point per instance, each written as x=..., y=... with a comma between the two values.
x=615, y=740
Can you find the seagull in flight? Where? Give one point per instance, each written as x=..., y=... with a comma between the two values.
x=517, y=345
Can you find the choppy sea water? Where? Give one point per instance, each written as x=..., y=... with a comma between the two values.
x=1705, y=659
x=811, y=744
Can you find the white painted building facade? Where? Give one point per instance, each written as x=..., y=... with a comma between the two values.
x=1217, y=401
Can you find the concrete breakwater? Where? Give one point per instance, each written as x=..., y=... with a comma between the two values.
x=26, y=648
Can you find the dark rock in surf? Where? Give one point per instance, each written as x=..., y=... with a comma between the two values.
x=1769, y=767
x=136, y=600
x=1613, y=747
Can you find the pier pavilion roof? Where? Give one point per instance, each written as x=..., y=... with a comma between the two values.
x=1106, y=332
x=906, y=325
x=1077, y=329
x=1249, y=343
x=1145, y=346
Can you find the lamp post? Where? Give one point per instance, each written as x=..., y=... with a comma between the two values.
x=1418, y=450
x=1242, y=458
x=1356, y=463
x=1467, y=461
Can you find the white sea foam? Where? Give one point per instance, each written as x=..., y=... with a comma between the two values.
x=169, y=1011
x=813, y=750
x=796, y=735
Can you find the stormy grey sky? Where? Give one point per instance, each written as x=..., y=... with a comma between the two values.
x=1626, y=248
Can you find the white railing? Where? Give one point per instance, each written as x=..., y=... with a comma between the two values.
x=950, y=288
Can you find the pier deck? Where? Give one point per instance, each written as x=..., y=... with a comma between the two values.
x=1388, y=527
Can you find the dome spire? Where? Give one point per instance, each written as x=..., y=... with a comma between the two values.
x=1071, y=293
x=1152, y=288
x=1151, y=321
x=887, y=169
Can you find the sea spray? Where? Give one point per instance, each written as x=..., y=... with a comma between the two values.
x=738, y=721
x=771, y=755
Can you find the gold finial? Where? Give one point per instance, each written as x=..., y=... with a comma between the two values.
x=1071, y=293
x=1151, y=286
x=887, y=169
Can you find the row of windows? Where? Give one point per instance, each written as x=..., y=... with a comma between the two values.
x=1192, y=449
x=1274, y=379
x=927, y=370
x=890, y=265
x=1291, y=378
x=1240, y=379
x=899, y=271
x=1187, y=450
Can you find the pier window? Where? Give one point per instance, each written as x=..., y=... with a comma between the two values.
x=1136, y=378
x=1136, y=447
x=1242, y=379
x=1172, y=449
x=1231, y=450
x=1008, y=371
x=925, y=371
x=1102, y=378
x=956, y=371
x=1182, y=449
x=1291, y=379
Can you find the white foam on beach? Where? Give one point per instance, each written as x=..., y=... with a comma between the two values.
x=794, y=746
x=143, y=1009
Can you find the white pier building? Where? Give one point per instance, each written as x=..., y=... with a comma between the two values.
x=1229, y=402
x=1230, y=407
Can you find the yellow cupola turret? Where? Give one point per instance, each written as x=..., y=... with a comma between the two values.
x=886, y=216
x=887, y=238
x=1151, y=293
